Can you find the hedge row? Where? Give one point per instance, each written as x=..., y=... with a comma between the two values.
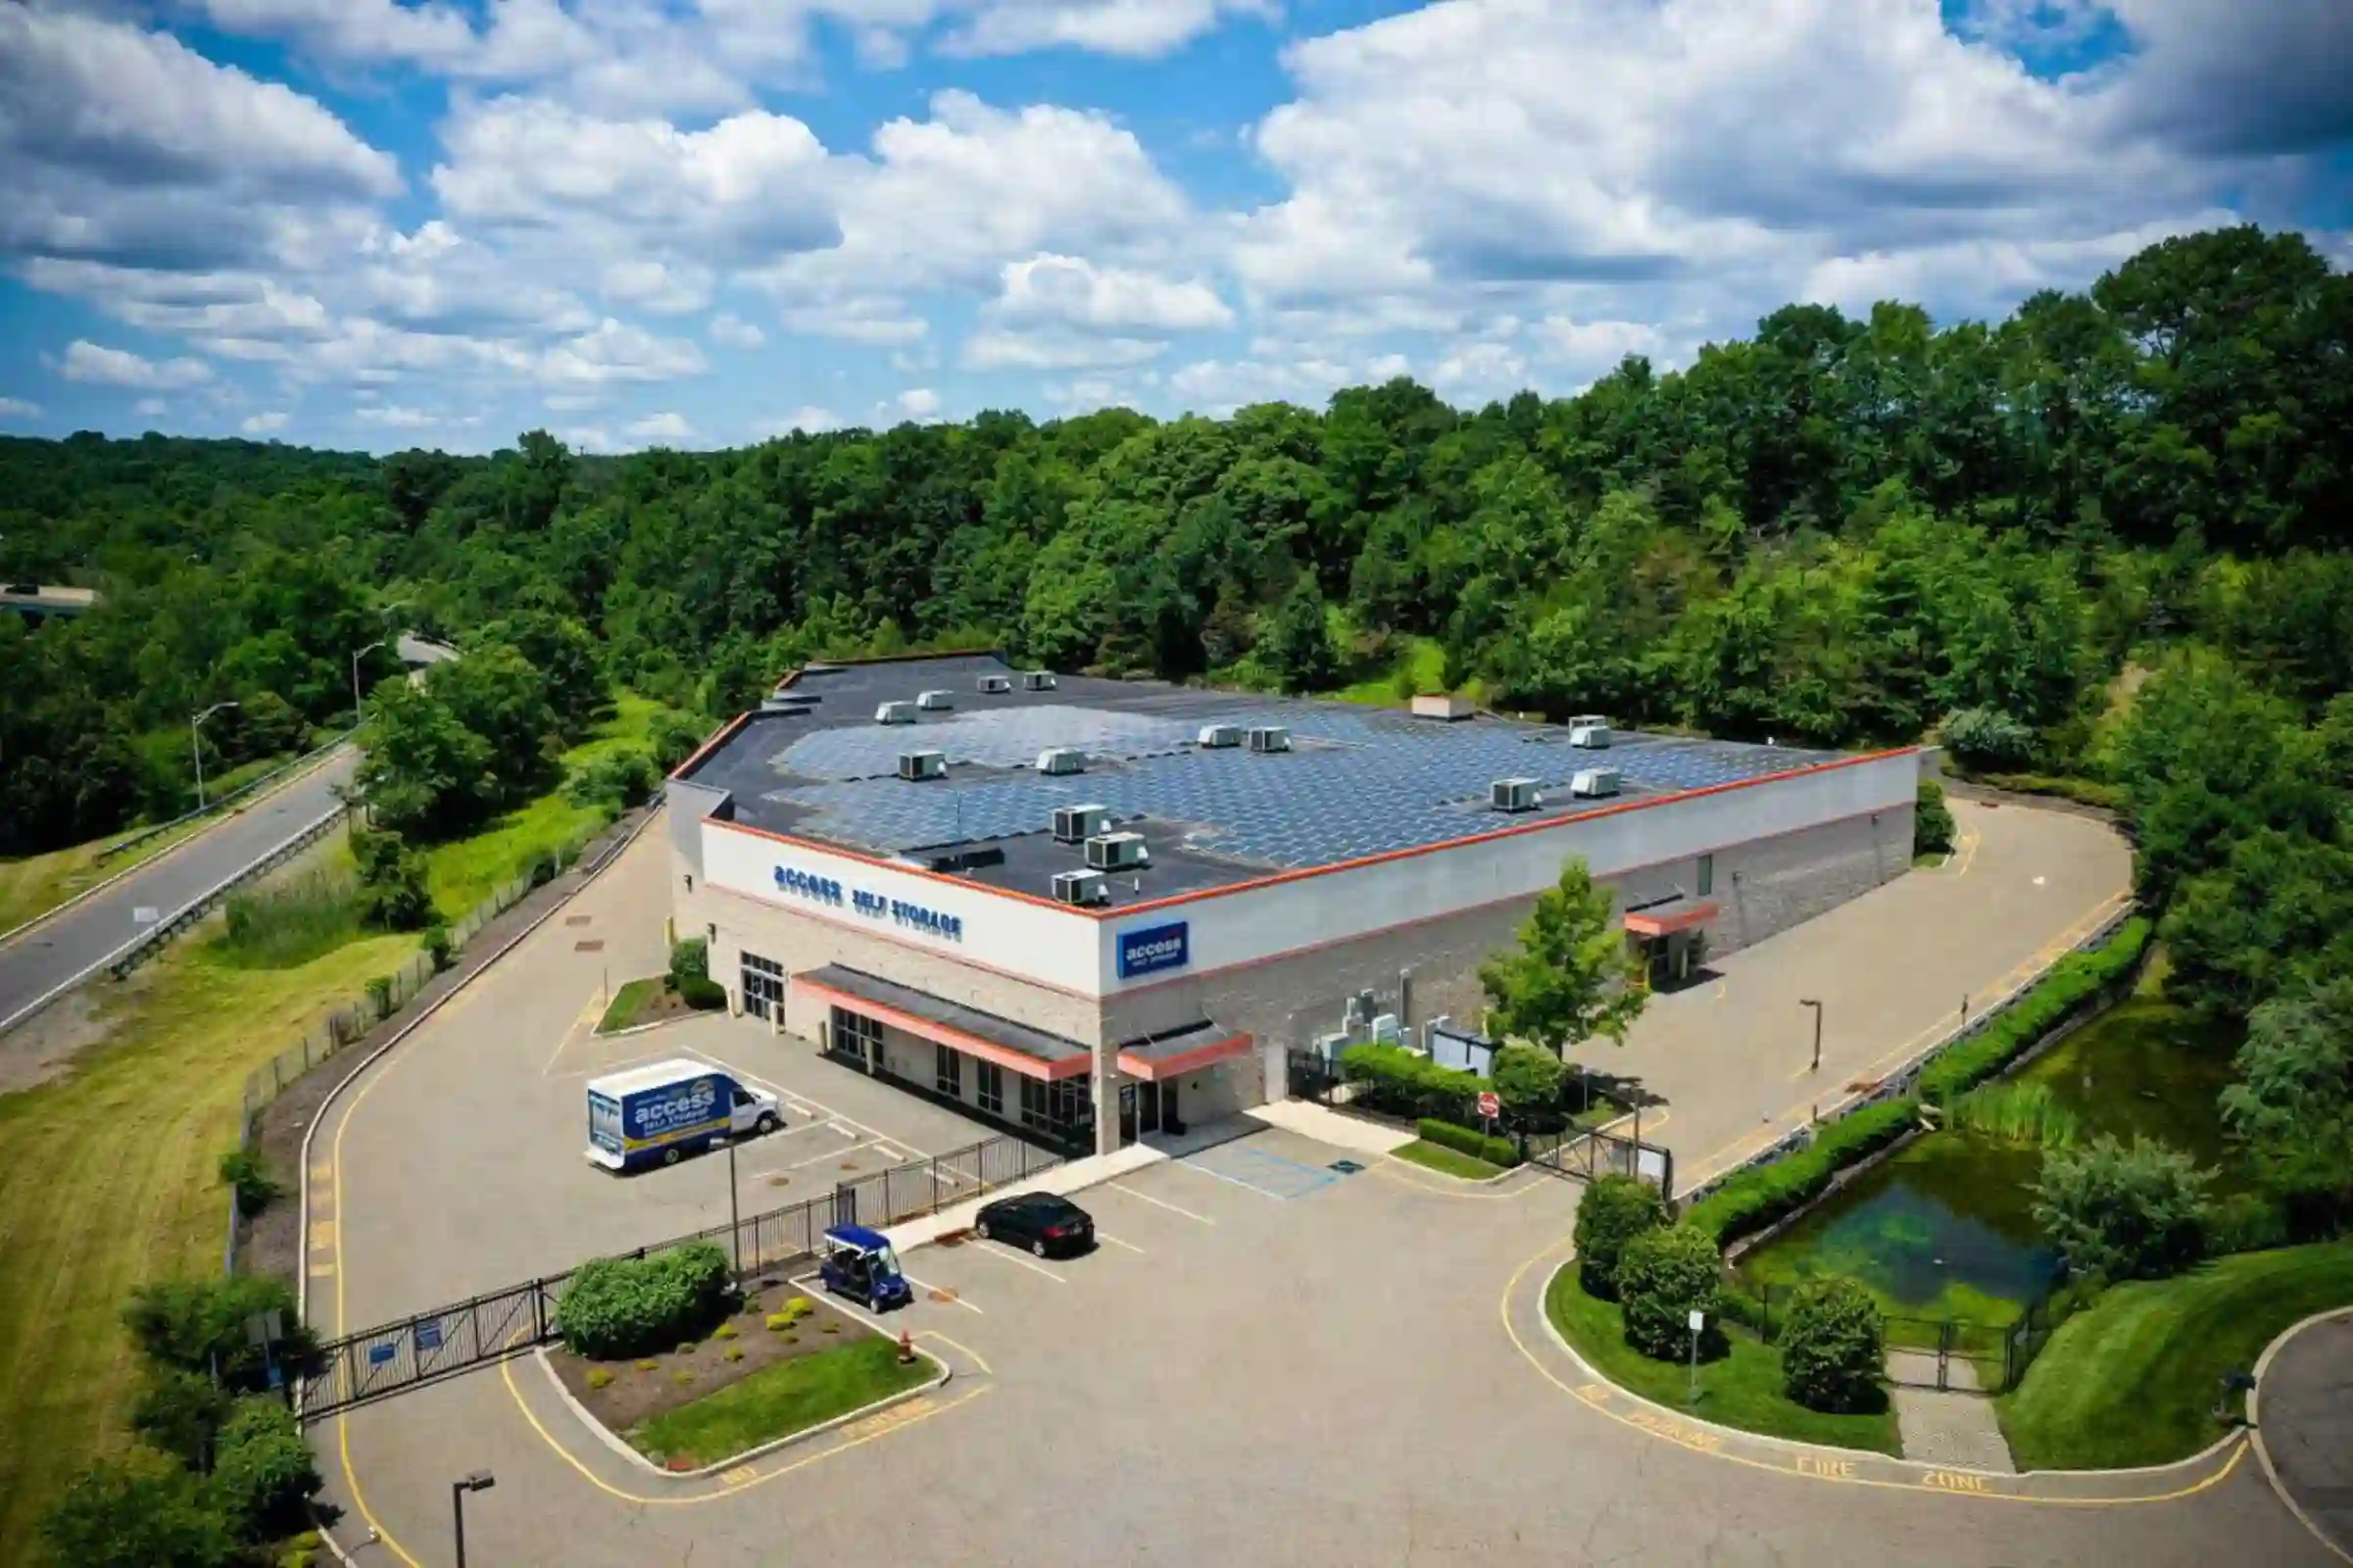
x=2073, y=981
x=623, y=1306
x=1465, y=1140
x=1756, y=1198
x=1405, y=1082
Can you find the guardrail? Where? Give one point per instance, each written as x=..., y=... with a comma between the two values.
x=125, y=959
x=221, y=802
x=1901, y=1083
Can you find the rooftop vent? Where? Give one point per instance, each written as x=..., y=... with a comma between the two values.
x=1081, y=887
x=1075, y=824
x=1036, y=680
x=996, y=685
x=1061, y=760
x=935, y=702
x=1581, y=721
x=894, y=713
x=1594, y=783
x=914, y=765
x=1590, y=736
x=1119, y=852
x=1269, y=738
x=1442, y=706
x=1219, y=737
x=1513, y=794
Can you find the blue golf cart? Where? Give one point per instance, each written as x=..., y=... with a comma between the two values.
x=858, y=1263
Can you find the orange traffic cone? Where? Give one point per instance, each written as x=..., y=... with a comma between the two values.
x=906, y=1348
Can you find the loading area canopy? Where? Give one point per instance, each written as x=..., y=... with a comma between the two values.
x=1668, y=919
x=1017, y=1047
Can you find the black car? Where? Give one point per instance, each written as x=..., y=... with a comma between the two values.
x=1040, y=1221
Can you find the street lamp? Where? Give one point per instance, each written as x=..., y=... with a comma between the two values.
x=196, y=745
x=479, y=1481
x=355, y=676
x=1809, y=1002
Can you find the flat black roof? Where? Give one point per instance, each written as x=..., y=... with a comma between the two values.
x=1356, y=781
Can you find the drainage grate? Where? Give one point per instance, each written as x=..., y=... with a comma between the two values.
x=1346, y=1167
x=592, y=944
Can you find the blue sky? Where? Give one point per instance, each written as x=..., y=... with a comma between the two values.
x=384, y=223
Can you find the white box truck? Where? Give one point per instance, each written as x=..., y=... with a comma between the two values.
x=656, y=1114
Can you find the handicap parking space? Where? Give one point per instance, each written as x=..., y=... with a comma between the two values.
x=1274, y=1163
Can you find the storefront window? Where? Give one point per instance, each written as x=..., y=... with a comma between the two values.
x=947, y=1071
x=856, y=1037
x=1033, y=1103
x=762, y=986
x=992, y=1088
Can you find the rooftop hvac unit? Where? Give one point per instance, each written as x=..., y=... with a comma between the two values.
x=1579, y=721
x=1119, y=852
x=1218, y=737
x=914, y=765
x=1386, y=1030
x=1075, y=824
x=1594, y=783
x=1591, y=737
x=1440, y=705
x=894, y=713
x=996, y=685
x=1081, y=887
x=1269, y=738
x=935, y=702
x=1513, y=794
x=1038, y=680
x=1061, y=760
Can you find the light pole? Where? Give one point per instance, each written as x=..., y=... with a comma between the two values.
x=355, y=676
x=478, y=1481
x=1809, y=1002
x=196, y=745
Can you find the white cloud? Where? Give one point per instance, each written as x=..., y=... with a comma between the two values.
x=616, y=351
x=1133, y=28
x=665, y=288
x=393, y=417
x=1054, y=349
x=1072, y=290
x=730, y=331
x=661, y=430
x=266, y=423
x=880, y=323
x=809, y=417
x=918, y=402
x=151, y=408
x=99, y=365
x=18, y=408
x=1220, y=386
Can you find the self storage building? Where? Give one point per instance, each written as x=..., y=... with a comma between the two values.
x=1092, y=907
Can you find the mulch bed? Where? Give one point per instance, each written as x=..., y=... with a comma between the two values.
x=665, y=1006
x=651, y=1386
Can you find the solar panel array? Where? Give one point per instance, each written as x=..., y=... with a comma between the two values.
x=1356, y=783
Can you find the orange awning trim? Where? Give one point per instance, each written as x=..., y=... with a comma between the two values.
x=1661, y=924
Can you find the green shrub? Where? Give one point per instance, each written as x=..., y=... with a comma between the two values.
x=1986, y=737
x=623, y=1306
x=244, y=1170
x=2123, y=1210
x=735, y=1353
x=705, y=995
x=600, y=1377
x=285, y=923
x=725, y=1331
x=2245, y=1222
x=1464, y=1140
x=1664, y=1275
x=392, y=894
x=1932, y=820
x=1529, y=1080
x=778, y=1322
x=1756, y=1198
x=614, y=783
x=1405, y=1082
x=138, y=1511
x=675, y=738
x=199, y=1326
x=2082, y=791
x=690, y=959
x=2072, y=982
x=2018, y=1113
x=1833, y=1345
x=1613, y=1211
x=438, y=947
x=179, y=1412
x=263, y=1470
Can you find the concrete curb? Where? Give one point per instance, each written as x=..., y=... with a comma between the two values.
x=1504, y=1175
x=2263, y=1456
x=149, y=862
x=1664, y=1420
x=613, y=1440
x=645, y=1028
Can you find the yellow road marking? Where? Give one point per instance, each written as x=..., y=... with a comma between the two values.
x=966, y=1351
x=1407, y=1171
x=323, y=1234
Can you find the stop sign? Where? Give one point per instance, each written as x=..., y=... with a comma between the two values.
x=1490, y=1105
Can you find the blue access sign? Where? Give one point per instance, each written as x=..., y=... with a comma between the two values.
x=1154, y=948
x=428, y=1336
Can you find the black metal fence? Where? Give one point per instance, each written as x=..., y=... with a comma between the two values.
x=1924, y=1352
x=393, y=1357
x=1591, y=1153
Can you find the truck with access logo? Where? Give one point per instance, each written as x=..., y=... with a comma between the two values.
x=658, y=1113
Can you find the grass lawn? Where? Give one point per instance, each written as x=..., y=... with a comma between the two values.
x=112, y=1182
x=465, y=871
x=2131, y=1379
x=780, y=1401
x=1743, y=1389
x=631, y=1000
x=1448, y=1161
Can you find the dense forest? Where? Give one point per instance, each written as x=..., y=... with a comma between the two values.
x=2116, y=503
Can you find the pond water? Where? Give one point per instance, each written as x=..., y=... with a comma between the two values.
x=1945, y=1229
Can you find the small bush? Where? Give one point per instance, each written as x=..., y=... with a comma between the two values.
x=675, y=738
x=199, y=1326
x=600, y=1377
x=263, y=1469
x=1405, y=1083
x=1529, y=1080
x=245, y=1170
x=2245, y=1222
x=179, y=1414
x=687, y=1348
x=648, y=1366
x=1932, y=820
x=392, y=895
x=1664, y=1275
x=778, y=1322
x=799, y=1306
x=1613, y=1211
x=703, y=995
x=1833, y=1345
x=621, y=1306
x=613, y=784
x=735, y=1353
x=2083, y=791
x=2123, y=1212
x=690, y=959
x=380, y=995
x=438, y=947
x=725, y=1331
x=137, y=1512
x=1465, y=1140
x=1986, y=737
x=682, y=1377
x=829, y=1326
x=1756, y=1198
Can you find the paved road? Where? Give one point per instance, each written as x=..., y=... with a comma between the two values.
x=2306, y=1407
x=94, y=929
x=1264, y=1363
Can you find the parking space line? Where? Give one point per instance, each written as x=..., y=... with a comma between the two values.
x=791, y=1096
x=962, y=1348
x=830, y=1154
x=1107, y=1236
x=996, y=1249
x=1230, y=1181
x=1159, y=1203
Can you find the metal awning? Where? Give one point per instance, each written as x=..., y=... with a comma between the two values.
x=1177, y=1052
x=1017, y=1047
x=1666, y=919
